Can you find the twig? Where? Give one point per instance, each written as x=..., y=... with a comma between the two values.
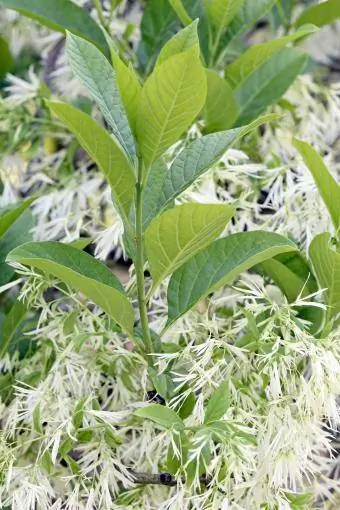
x=161, y=479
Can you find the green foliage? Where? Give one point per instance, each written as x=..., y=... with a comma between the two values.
x=218, y=265
x=220, y=111
x=182, y=41
x=161, y=415
x=222, y=12
x=95, y=72
x=104, y=150
x=326, y=263
x=328, y=187
x=11, y=213
x=6, y=59
x=178, y=234
x=63, y=15
x=321, y=14
x=10, y=325
x=181, y=12
x=218, y=403
x=174, y=95
x=81, y=271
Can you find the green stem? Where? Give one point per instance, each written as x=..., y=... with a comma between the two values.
x=100, y=13
x=139, y=265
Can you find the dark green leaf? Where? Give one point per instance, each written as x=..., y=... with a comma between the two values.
x=218, y=403
x=6, y=60
x=220, y=111
x=161, y=415
x=10, y=326
x=81, y=271
x=218, y=265
x=60, y=15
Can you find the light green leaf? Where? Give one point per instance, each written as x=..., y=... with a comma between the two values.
x=328, y=187
x=218, y=403
x=18, y=233
x=178, y=234
x=198, y=157
x=245, y=18
x=95, y=72
x=103, y=149
x=265, y=86
x=161, y=415
x=222, y=12
x=128, y=84
x=220, y=111
x=320, y=14
x=218, y=265
x=61, y=15
x=81, y=271
x=11, y=213
x=326, y=264
x=184, y=40
x=10, y=326
x=181, y=12
x=252, y=60
x=171, y=99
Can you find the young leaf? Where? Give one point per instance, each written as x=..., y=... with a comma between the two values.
x=171, y=99
x=220, y=111
x=161, y=415
x=218, y=403
x=255, y=57
x=103, y=149
x=326, y=264
x=10, y=326
x=95, y=72
x=64, y=16
x=178, y=234
x=18, y=233
x=218, y=265
x=328, y=187
x=181, y=12
x=198, y=157
x=182, y=41
x=81, y=271
x=320, y=14
x=222, y=12
x=265, y=86
x=11, y=213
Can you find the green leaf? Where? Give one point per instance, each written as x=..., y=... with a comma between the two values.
x=128, y=84
x=62, y=15
x=222, y=12
x=178, y=234
x=320, y=14
x=159, y=24
x=220, y=111
x=10, y=214
x=181, y=12
x=184, y=40
x=95, y=72
x=218, y=403
x=291, y=273
x=326, y=264
x=103, y=149
x=10, y=326
x=152, y=190
x=219, y=264
x=37, y=420
x=175, y=460
x=6, y=59
x=18, y=233
x=328, y=187
x=265, y=86
x=161, y=415
x=198, y=157
x=171, y=99
x=247, y=16
x=256, y=56
x=80, y=270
